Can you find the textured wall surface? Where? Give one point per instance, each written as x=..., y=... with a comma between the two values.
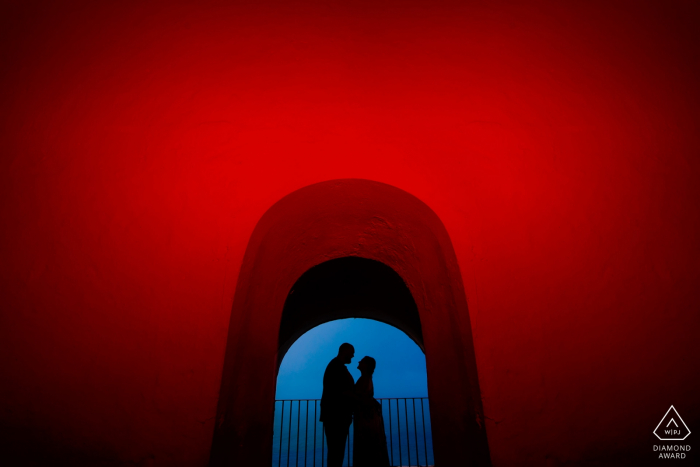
x=140, y=144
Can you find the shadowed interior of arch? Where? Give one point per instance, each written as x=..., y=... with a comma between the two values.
x=349, y=287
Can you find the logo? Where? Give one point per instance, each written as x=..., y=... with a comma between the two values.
x=671, y=427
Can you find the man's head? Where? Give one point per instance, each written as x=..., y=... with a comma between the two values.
x=346, y=352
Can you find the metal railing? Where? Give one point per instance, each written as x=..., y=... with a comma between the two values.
x=299, y=441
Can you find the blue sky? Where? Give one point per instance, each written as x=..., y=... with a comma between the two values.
x=400, y=368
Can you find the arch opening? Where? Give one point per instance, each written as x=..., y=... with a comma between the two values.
x=399, y=383
x=348, y=287
x=400, y=371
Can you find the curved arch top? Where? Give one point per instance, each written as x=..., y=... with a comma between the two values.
x=326, y=221
x=350, y=287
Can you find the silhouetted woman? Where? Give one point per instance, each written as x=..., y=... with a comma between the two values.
x=370, y=440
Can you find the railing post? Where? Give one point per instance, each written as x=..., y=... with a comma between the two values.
x=415, y=429
x=391, y=436
x=279, y=457
x=306, y=434
x=425, y=442
x=398, y=430
x=296, y=463
x=289, y=431
x=315, y=423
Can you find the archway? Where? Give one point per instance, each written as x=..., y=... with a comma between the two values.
x=349, y=287
x=337, y=219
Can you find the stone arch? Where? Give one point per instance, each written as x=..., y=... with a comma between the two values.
x=328, y=221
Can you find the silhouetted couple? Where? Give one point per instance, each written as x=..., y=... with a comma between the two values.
x=342, y=398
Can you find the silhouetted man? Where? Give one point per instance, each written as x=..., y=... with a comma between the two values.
x=337, y=404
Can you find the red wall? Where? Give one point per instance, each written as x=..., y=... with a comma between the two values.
x=558, y=142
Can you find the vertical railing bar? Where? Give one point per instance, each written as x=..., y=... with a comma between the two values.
x=398, y=429
x=415, y=430
x=279, y=463
x=289, y=431
x=315, y=423
x=408, y=435
x=296, y=462
x=425, y=442
x=306, y=435
x=381, y=402
x=391, y=436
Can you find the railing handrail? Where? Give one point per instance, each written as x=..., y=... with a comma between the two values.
x=378, y=398
x=417, y=397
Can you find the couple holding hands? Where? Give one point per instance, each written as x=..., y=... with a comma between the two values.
x=344, y=399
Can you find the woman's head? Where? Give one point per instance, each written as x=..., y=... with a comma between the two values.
x=367, y=365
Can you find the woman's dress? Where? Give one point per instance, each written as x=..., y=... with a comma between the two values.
x=370, y=440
